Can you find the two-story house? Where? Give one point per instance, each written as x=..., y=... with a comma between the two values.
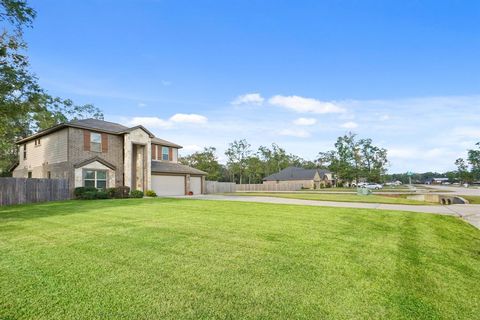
x=103, y=154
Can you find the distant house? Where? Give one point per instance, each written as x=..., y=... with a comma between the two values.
x=436, y=181
x=309, y=178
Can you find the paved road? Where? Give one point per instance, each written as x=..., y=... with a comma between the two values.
x=457, y=190
x=470, y=212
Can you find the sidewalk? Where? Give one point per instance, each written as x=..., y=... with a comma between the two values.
x=468, y=212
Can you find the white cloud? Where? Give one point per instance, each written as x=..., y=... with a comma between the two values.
x=349, y=125
x=249, y=98
x=294, y=133
x=305, y=105
x=156, y=122
x=141, y=104
x=467, y=132
x=188, y=118
x=152, y=122
x=305, y=121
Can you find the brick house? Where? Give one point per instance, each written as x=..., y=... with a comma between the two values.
x=308, y=178
x=104, y=154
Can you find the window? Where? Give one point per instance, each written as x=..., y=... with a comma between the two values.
x=37, y=142
x=165, y=153
x=49, y=175
x=25, y=151
x=29, y=174
x=95, y=178
x=95, y=142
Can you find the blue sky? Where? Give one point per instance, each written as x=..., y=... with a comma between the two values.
x=298, y=73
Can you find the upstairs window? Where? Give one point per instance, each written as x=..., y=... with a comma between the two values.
x=37, y=142
x=95, y=178
x=165, y=155
x=25, y=151
x=95, y=142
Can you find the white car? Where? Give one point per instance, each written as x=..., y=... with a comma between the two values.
x=374, y=186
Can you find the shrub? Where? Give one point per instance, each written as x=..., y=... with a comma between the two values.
x=89, y=195
x=101, y=195
x=81, y=191
x=122, y=192
x=118, y=192
x=111, y=192
x=136, y=194
x=150, y=193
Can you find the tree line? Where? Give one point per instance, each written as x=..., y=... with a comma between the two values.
x=352, y=159
x=468, y=170
x=25, y=107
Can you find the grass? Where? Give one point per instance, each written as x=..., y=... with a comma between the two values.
x=340, y=197
x=193, y=259
x=472, y=199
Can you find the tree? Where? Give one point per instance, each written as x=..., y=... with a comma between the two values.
x=373, y=160
x=462, y=170
x=24, y=106
x=474, y=160
x=352, y=159
x=237, y=155
x=205, y=160
x=254, y=170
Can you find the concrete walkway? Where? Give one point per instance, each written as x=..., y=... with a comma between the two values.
x=468, y=212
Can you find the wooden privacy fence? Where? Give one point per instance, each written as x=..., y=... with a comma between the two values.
x=222, y=187
x=219, y=187
x=23, y=190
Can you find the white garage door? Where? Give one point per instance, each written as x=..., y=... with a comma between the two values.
x=196, y=185
x=168, y=185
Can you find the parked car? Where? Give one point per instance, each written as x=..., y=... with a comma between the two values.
x=374, y=186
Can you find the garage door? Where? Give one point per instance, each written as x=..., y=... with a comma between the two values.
x=168, y=185
x=196, y=185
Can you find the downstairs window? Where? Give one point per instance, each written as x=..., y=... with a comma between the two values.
x=95, y=178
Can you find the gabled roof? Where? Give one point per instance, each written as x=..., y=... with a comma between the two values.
x=169, y=167
x=100, y=125
x=95, y=125
x=165, y=143
x=93, y=159
x=295, y=173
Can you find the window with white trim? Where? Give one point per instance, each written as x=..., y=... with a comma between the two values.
x=95, y=178
x=165, y=155
x=95, y=142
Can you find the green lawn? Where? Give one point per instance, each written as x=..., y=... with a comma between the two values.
x=341, y=197
x=193, y=259
x=472, y=199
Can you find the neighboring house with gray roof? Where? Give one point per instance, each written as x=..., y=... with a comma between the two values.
x=309, y=178
x=104, y=154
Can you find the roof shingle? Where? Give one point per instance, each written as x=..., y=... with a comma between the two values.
x=295, y=173
x=169, y=167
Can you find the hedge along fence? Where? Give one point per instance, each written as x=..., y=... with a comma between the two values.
x=225, y=187
x=28, y=190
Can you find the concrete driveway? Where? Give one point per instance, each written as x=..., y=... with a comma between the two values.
x=468, y=212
